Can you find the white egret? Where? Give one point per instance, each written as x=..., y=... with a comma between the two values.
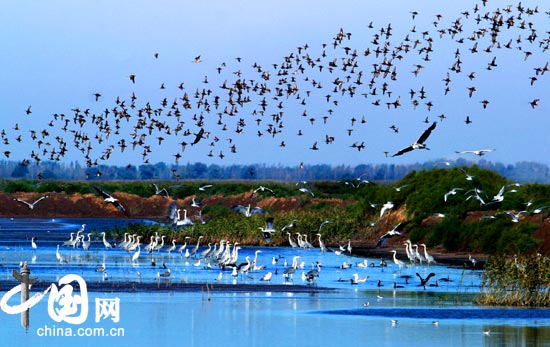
x=135, y=256
x=105, y=242
x=397, y=262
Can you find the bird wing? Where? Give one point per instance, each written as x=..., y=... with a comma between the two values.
x=402, y=151
x=398, y=228
x=198, y=137
x=383, y=239
x=120, y=207
x=101, y=192
x=172, y=210
x=29, y=205
x=239, y=208
x=269, y=224
x=257, y=210
x=426, y=133
x=39, y=199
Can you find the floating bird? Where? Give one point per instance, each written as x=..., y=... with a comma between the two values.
x=419, y=144
x=266, y=277
x=31, y=205
x=112, y=200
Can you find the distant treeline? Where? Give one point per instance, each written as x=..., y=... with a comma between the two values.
x=521, y=171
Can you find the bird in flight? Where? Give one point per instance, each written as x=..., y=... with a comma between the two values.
x=112, y=200
x=419, y=144
x=478, y=152
x=31, y=205
x=394, y=232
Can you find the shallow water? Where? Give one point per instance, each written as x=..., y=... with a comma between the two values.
x=264, y=316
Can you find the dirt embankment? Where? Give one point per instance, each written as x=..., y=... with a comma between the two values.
x=58, y=205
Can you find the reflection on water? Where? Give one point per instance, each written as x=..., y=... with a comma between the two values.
x=265, y=316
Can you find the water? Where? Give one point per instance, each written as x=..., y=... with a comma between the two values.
x=243, y=311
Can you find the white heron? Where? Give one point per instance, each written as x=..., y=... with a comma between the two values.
x=86, y=243
x=178, y=222
x=430, y=259
x=291, y=242
x=33, y=243
x=136, y=254
x=288, y=272
x=322, y=244
x=105, y=242
x=397, y=262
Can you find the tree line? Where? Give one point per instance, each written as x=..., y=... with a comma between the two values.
x=520, y=171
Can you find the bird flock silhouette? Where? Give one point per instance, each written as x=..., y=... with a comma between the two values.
x=305, y=90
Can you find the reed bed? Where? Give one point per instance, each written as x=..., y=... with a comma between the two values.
x=516, y=281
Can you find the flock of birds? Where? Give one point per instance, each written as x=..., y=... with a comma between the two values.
x=224, y=256
x=261, y=99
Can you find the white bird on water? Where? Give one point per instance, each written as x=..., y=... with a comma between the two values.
x=397, y=262
x=135, y=256
x=105, y=242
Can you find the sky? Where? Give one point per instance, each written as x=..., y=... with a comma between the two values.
x=58, y=54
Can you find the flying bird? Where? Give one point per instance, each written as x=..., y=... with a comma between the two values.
x=394, y=232
x=112, y=200
x=419, y=144
x=478, y=152
x=31, y=205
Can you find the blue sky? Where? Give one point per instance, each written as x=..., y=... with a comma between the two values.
x=58, y=54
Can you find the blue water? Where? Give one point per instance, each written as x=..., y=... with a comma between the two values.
x=329, y=312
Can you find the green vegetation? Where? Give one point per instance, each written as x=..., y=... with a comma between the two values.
x=516, y=281
x=467, y=225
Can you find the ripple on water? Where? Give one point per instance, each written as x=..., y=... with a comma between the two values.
x=481, y=313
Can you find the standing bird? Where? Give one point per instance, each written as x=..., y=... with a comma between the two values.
x=105, y=242
x=419, y=144
x=33, y=243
